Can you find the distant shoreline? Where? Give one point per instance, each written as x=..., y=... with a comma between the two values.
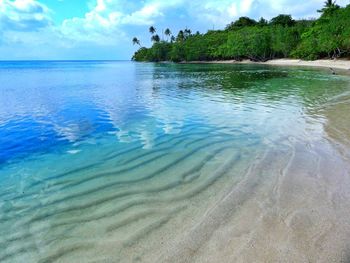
x=340, y=64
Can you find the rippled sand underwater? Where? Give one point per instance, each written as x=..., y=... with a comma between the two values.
x=173, y=163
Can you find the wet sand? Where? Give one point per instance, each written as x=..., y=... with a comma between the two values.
x=298, y=213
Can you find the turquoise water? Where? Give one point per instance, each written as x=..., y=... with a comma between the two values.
x=108, y=161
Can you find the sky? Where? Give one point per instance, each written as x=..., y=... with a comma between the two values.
x=103, y=29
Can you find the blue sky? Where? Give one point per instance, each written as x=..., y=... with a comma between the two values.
x=103, y=29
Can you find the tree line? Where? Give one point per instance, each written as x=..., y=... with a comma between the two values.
x=246, y=38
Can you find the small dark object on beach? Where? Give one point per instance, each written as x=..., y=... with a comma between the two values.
x=333, y=72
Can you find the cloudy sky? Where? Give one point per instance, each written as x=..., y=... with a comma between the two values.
x=103, y=29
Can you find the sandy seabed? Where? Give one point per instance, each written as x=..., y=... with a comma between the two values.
x=290, y=203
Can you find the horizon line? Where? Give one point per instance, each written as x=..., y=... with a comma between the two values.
x=65, y=60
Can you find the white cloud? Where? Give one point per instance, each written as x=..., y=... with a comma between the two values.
x=94, y=27
x=105, y=20
x=145, y=16
x=246, y=5
x=23, y=15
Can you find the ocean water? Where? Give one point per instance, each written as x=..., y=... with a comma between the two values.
x=141, y=162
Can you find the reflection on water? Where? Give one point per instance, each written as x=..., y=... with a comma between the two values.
x=129, y=162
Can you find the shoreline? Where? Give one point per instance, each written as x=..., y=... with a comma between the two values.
x=341, y=65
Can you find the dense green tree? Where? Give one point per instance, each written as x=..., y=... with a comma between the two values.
x=282, y=37
x=328, y=37
x=241, y=22
x=284, y=40
x=155, y=38
x=160, y=51
x=204, y=47
x=253, y=43
x=177, y=52
x=283, y=20
x=142, y=55
x=180, y=36
x=263, y=22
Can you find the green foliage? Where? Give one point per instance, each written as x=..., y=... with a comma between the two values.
x=282, y=37
x=285, y=40
x=283, y=20
x=261, y=43
x=159, y=52
x=198, y=47
x=177, y=52
x=263, y=22
x=249, y=42
x=141, y=54
x=180, y=36
x=155, y=38
x=328, y=37
x=329, y=7
x=241, y=22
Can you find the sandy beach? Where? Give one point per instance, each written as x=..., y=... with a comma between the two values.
x=336, y=66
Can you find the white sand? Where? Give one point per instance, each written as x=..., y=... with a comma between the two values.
x=342, y=64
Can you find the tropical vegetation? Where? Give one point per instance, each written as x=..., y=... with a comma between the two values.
x=246, y=38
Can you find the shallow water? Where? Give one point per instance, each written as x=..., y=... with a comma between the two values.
x=132, y=162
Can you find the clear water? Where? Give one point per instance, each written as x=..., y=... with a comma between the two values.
x=112, y=161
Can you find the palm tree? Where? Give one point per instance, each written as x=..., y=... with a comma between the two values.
x=328, y=5
x=172, y=39
x=155, y=38
x=188, y=33
x=167, y=32
x=136, y=41
x=180, y=36
x=152, y=30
